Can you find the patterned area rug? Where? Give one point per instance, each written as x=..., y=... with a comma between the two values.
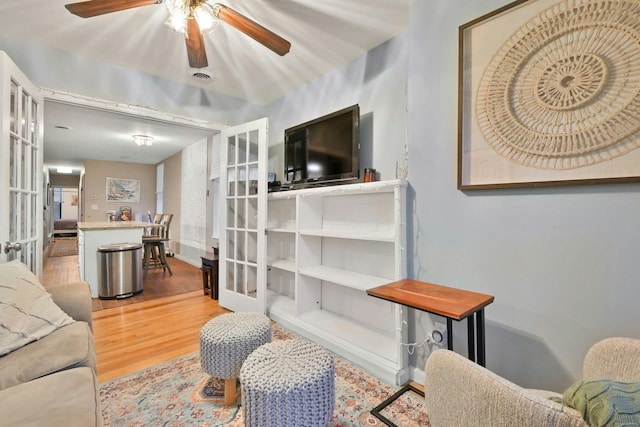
x=179, y=393
x=64, y=246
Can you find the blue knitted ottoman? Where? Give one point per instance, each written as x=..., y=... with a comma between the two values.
x=288, y=383
x=225, y=343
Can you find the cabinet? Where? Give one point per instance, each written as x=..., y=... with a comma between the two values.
x=326, y=246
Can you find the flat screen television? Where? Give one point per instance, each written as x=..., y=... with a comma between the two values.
x=325, y=150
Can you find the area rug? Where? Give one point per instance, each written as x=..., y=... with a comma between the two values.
x=179, y=393
x=64, y=246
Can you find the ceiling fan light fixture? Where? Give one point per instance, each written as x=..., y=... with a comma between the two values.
x=179, y=11
x=143, y=140
x=177, y=23
x=206, y=18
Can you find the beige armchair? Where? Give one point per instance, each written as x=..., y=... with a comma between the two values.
x=459, y=392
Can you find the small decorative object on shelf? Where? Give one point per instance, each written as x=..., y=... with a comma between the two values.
x=369, y=174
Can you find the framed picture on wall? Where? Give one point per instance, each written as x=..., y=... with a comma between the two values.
x=549, y=94
x=123, y=190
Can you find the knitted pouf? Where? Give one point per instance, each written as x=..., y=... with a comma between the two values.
x=288, y=383
x=225, y=343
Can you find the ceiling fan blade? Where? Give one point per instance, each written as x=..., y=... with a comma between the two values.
x=252, y=29
x=195, y=45
x=87, y=9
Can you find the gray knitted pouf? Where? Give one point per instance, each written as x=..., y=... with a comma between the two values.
x=225, y=343
x=288, y=383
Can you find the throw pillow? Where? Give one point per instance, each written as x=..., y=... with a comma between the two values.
x=27, y=311
x=605, y=403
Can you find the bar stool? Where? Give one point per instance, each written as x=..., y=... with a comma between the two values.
x=154, y=249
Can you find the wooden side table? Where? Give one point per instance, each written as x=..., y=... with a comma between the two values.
x=452, y=303
x=210, y=274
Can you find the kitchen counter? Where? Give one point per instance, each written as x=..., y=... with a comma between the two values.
x=111, y=225
x=92, y=235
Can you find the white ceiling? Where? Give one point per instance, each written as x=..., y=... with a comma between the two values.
x=324, y=35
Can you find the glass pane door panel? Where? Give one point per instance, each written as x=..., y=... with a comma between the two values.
x=231, y=213
x=33, y=222
x=231, y=279
x=24, y=108
x=34, y=123
x=231, y=247
x=252, y=281
x=252, y=214
x=24, y=153
x=240, y=280
x=241, y=217
x=242, y=149
x=242, y=181
x=13, y=162
x=252, y=247
x=13, y=215
x=24, y=210
x=231, y=181
x=253, y=180
x=13, y=108
x=240, y=246
x=231, y=151
x=253, y=146
x=34, y=169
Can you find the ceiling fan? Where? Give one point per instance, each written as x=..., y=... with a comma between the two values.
x=193, y=18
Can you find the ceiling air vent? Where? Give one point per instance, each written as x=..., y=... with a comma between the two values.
x=203, y=77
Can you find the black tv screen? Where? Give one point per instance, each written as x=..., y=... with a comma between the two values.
x=324, y=150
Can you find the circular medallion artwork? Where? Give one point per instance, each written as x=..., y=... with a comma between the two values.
x=564, y=91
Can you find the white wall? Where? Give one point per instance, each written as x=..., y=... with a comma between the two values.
x=193, y=205
x=561, y=262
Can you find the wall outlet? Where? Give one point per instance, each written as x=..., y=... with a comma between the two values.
x=439, y=334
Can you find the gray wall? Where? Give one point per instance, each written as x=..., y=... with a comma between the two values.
x=561, y=262
x=377, y=82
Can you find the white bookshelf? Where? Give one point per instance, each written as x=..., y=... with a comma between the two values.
x=326, y=247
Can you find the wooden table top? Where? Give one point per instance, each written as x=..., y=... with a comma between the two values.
x=442, y=300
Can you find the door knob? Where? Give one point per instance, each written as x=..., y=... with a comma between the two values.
x=8, y=247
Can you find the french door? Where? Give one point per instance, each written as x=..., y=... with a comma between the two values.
x=242, y=262
x=21, y=129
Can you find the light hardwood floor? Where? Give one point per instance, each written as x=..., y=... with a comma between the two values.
x=134, y=336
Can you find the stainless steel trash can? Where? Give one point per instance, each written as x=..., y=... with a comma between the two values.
x=119, y=270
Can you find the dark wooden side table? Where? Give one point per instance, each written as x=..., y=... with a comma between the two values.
x=210, y=274
x=452, y=303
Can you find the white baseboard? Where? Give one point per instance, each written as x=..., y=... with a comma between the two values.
x=195, y=263
x=416, y=375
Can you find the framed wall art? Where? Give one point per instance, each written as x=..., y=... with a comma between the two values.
x=123, y=190
x=549, y=94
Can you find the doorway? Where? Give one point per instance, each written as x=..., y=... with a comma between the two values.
x=64, y=211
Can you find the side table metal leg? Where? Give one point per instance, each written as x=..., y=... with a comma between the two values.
x=471, y=338
x=376, y=411
x=449, y=333
x=481, y=336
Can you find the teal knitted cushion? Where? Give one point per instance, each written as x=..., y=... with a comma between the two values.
x=605, y=402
